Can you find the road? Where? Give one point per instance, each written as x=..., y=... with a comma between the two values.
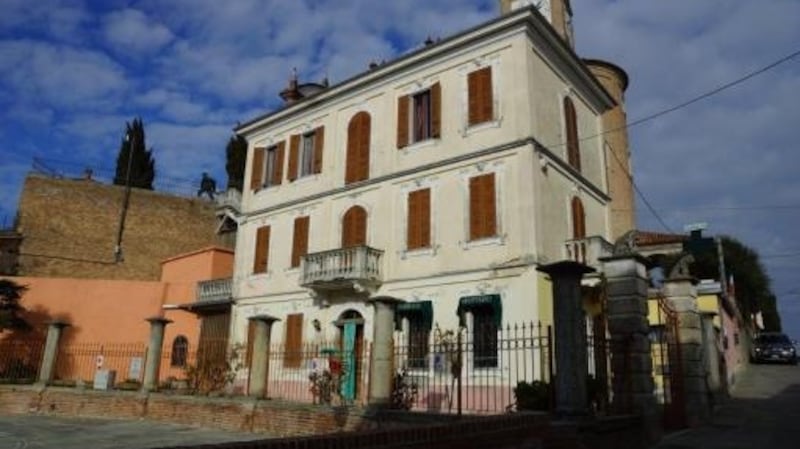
x=50, y=432
x=763, y=412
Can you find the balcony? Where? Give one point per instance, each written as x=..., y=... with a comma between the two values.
x=214, y=290
x=356, y=268
x=588, y=250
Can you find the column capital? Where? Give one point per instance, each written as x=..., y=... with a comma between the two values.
x=565, y=268
x=269, y=319
x=158, y=319
x=59, y=323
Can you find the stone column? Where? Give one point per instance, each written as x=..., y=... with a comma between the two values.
x=681, y=294
x=259, y=358
x=153, y=358
x=712, y=354
x=628, y=328
x=381, y=371
x=54, y=331
x=571, y=354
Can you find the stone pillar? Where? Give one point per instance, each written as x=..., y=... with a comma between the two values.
x=153, y=358
x=681, y=295
x=628, y=328
x=712, y=355
x=571, y=353
x=54, y=331
x=381, y=371
x=259, y=359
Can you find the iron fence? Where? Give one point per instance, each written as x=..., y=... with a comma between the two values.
x=20, y=360
x=472, y=370
x=80, y=362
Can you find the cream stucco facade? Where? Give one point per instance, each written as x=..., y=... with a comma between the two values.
x=523, y=146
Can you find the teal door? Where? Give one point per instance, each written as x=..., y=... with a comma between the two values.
x=348, y=387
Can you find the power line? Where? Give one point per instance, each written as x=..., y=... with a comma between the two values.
x=679, y=106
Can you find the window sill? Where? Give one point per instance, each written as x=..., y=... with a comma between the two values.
x=419, y=252
x=478, y=127
x=497, y=240
x=264, y=188
x=416, y=146
x=305, y=179
x=266, y=275
x=292, y=270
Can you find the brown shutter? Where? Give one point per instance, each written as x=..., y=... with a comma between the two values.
x=251, y=335
x=354, y=227
x=293, y=356
x=482, y=207
x=262, y=250
x=481, y=103
x=294, y=149
x=277, y=173
x=319, y=145
x=573, y=148
x=436, y=111
x=578, y=219
x=299, y=240
x=257, y=169
x=402, y=121
x=419, y=219
x=357, y=164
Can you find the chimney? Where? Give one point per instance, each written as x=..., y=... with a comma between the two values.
x=291, y=94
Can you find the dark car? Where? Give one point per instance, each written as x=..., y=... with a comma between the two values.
x=773, y=347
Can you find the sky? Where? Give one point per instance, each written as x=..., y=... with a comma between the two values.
x=73, y=72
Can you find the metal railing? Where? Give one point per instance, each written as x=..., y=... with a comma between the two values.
x=20, y=361
x=78, y=363
x=588, y=250
x=357, y=263
x=214, y=290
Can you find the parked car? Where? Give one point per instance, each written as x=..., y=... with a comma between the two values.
x=773, y=347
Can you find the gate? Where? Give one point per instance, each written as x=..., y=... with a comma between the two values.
x=668, y=366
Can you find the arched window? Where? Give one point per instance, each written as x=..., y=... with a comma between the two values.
x=578, y=219
x=180, y=347
x=358, y=134
x=571, y=124
x=354, y=227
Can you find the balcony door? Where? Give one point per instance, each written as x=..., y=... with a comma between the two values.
x=354, y=227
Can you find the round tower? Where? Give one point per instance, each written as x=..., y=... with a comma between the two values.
x=618, y=162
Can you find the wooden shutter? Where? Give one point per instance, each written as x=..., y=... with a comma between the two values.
x=354, y=227
x=319, y=145
x=481, y=102
x=251, y=336
x=299, y=240
x=419, y=219
x=358, y=135
x=578, y=219
x=294, y=155
x=436, y=110
x=402, y=121
x=277, y=171
x=257, y=169
x=293, y=355
x=573, y=147
x=482, y=207
x=262, y=250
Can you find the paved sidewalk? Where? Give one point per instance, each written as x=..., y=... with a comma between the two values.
x=48, y=432
x=764, y=412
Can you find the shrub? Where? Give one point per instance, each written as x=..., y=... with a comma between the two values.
x=533, y=395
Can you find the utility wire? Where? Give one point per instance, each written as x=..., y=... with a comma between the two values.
x=673, y=109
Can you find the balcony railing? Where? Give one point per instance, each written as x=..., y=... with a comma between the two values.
x=214, y=290
x=354, y=267
x=588, y=250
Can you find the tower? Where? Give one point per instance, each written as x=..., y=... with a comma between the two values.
x=557, y=12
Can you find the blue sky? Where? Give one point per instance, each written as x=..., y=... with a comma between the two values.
x=73, y=72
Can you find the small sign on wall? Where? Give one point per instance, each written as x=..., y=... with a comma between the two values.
x=104, y=379
x=135, y=368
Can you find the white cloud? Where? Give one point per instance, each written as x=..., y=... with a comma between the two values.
x=131, y=30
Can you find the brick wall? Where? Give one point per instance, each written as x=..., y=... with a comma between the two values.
x=298, y=425
x=69, y=229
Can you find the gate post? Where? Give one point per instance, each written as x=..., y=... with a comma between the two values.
x=381, y=369
x=570, y=337
x=152, y=361
x=681, y=295
x=259, y=356
x=54, y=331
x=628, y=326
